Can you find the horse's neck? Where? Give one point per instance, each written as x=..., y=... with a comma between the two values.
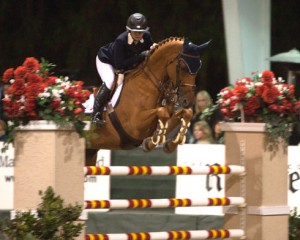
x=164, y=54
x=154, y=69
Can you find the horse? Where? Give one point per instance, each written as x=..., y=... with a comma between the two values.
x=154, y=107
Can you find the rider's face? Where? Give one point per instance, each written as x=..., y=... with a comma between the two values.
x=137, y=36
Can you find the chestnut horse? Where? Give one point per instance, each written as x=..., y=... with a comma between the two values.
x=155, y=103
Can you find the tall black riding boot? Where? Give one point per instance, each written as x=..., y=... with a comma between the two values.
x=100, y=101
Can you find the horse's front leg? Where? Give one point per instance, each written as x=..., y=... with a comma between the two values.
x=178, y=135
x=159, y=136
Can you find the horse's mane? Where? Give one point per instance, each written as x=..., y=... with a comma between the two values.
x=154, y=50
x=163, y=42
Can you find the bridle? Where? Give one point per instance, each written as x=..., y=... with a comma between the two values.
x=169, y=91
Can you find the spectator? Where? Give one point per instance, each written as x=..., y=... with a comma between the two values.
x=203, y=110
x=3, y=121
x=202, y=133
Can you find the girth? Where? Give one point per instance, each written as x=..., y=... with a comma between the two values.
x=127, y=142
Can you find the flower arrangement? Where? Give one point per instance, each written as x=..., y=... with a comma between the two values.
x=261, y=98
x=35, y=94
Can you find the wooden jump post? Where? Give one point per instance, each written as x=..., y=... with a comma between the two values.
x=48, y=155
x=265, y=185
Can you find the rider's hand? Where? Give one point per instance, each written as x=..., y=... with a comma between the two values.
x=153, y=46
x=144, y=53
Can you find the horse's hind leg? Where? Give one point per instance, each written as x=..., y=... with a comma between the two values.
x=159, y=136
x=179, y=136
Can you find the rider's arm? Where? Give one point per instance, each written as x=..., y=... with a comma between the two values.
x=121, y=61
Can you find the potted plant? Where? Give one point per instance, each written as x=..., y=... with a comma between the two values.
x=53, y=219
x=260, y=98
x=34, y=93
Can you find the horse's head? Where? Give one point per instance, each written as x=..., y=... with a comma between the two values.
x=182, y=72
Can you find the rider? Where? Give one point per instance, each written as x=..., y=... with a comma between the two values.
x=126, y=52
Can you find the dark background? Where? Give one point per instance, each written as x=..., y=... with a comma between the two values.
x=69, y=33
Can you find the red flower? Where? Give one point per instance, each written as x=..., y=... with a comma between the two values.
x=51, y=80
x=34, y=78
x=270, y=95
x=291, y=88
x=55, y=103
x=78, y=111
x=20, y=72
x=17, y=88
x=248, y=110
x=296, y=107
x=226, y=112
x=276, y=108
x=7, y=75
x=259, y=90
x=252, y=103
x=267, y=76
x=31, y=64
x=240, y=91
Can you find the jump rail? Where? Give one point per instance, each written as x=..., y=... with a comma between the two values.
x=163, y=170
x=172, y=235
x=162, y=203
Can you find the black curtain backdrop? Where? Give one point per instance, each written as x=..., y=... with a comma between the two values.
x=69, y=33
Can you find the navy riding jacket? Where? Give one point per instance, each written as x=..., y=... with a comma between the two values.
x=124, y=54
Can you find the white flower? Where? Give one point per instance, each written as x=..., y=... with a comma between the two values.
x=55, y=93
x=44, y=95
x=227, y=102
x=281, y=80
x=244, y=80
x=22, y=99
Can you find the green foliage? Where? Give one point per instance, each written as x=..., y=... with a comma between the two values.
x=294, y=225
x=52, y=221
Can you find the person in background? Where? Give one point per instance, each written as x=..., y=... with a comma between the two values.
x=203, y=103
x=128, y=50
x=202, y=133
x=3, y=120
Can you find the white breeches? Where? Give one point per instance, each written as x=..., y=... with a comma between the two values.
x=106, y=72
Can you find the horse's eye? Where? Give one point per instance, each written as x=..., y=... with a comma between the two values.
x=183, y=66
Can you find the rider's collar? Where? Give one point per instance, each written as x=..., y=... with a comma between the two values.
x=131, y=40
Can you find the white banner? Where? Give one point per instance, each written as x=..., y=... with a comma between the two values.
x=213, y=186
x=294, y=177
x=200, y=186
x=6, y=177
x=95, y=187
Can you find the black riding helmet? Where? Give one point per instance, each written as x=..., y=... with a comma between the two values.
x=137, y=22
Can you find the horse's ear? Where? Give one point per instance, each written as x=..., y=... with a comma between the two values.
x=186, y=42
x=202, y=46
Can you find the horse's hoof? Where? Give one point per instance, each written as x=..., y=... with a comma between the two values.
x=145, y=146
x=169, y=147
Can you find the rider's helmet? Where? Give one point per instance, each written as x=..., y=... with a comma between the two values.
x=137, y=22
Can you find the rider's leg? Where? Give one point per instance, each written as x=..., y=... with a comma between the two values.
x=101, y=100
x=107, y=74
